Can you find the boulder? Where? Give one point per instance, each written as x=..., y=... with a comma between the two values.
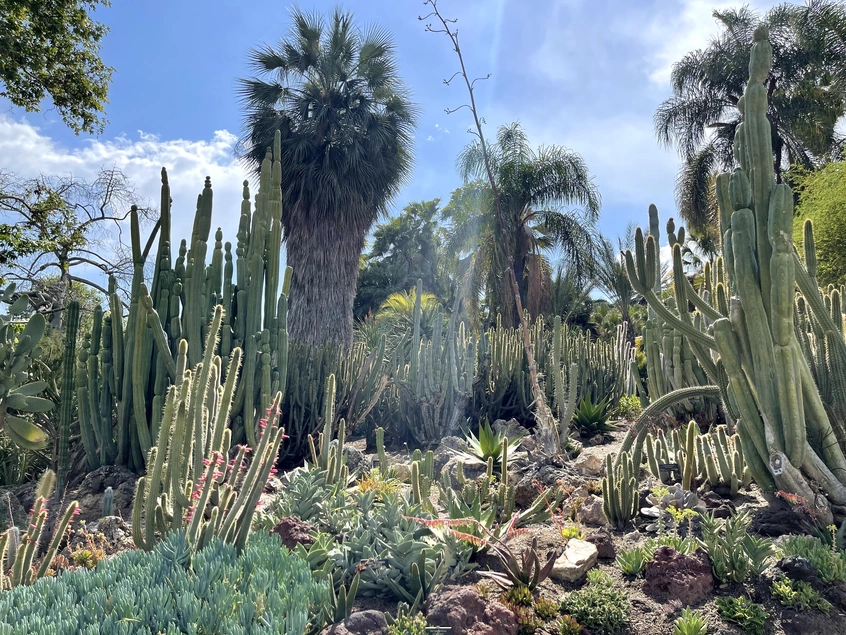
x=589, y=464
x=466, y=612
x=472, y=468
x=601, y=539
x=293, y=532
x=356, y=460
x=672, y=575
x=360, y=623
x=511, y=428
x=574, y=563
x=590, y=512
x=446, y=450
x=90, y=492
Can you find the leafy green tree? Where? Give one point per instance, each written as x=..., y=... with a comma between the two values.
x=347, y=122
x=52, y=47
x=822, y=198
x=805, y=94
x=64, y=229
x=405, y=249
x=534, y=186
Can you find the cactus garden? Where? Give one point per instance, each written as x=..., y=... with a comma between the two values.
x=305, y=410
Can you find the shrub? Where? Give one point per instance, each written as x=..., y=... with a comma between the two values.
x=830, y=563
x=799, y=595
x=598, y=606
x=633, y=561
x=408, y=625
x=629, y=408
x=690, y=623
x=170, y=590
x=744, y=612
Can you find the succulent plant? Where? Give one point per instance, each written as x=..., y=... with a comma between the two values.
x=592, y=418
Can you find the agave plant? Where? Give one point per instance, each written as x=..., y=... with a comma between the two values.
x=523, y=571
x=592, y=418
x=489, y=443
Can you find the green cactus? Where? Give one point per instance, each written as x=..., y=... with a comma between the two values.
x=434, y=388
x=787, y=438
x=189, y=483
x=67, y=395
x=20, y=550
x=619, y=491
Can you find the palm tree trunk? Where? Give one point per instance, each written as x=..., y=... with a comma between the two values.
x=325, y=262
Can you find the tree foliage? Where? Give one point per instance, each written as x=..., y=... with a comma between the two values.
x=404, y=249
x=822, y=198
x=65, y=229
x=548, y=201
x=806, y=89
x=347, y=122
x=52, y=47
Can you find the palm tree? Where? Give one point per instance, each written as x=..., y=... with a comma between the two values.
x=347, y=125
x=805, y=94
x=613, y=281
x=533, y=186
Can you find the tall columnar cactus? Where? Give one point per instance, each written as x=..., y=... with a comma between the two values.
x=670, y=360
x=787, y=438
x=619, y=491
x=17, y=393
x=189, y=482
x=599, y=369
x=435, y=386
x=66, y=404
x=130, y=360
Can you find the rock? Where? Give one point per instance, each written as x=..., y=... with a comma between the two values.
x=446, y=450
x=601, y=539
x=360, y=623
x=90, y=492
x=590, y=512
x=589, y=464
x=525, y=489
x=472, y=468
x=633, y=536
x=798, y=568
x=357, y=462
x=293, y=532
x=12, y=513
x=777, y=522
x=574, y=563
x=511, y=428
x=717, y=505
x=466, y=612
x=597, y=439
x=676, y=576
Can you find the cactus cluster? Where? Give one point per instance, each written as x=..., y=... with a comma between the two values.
x=18, y=349
x=714, y=457
x=670, y=361
x=190, y=483
x=788, y=439
x=620, y=497
x=572, y=364
x=18, y=551
x=434, y=386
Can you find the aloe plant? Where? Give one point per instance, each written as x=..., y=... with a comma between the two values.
x=592, y=418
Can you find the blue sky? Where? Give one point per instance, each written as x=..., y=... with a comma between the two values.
x=586, y=74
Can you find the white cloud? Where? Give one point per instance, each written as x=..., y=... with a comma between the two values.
x=685, y=28
x=29, y=152
x=430, y=138
x=188, y=162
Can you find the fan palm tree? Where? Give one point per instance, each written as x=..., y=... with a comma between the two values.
x=805, y=95
x=534, y=186
x=347, y=125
